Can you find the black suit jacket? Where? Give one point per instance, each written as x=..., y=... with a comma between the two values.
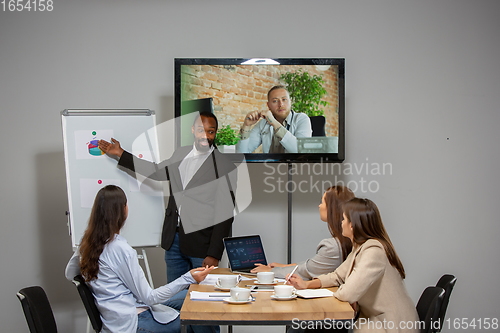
x=203, y=202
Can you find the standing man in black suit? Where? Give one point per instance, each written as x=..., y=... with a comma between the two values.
x=199, y=213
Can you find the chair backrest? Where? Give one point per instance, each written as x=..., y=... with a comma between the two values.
x=447, y=282
x=37, y=310
x=318, y=125
x=89, y=302
x=428, y=307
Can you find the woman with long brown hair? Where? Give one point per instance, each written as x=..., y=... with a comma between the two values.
x=371, y=276
x=110, y=267
x=330, y=252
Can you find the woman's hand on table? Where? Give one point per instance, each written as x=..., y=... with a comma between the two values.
x=261, y=268
x=200, y=273
x=296, y=281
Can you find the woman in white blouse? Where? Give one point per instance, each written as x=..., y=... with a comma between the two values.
x=110, y=267
x=330, y=252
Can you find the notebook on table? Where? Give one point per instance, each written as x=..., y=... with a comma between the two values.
x=244, y=252
x=314, y=293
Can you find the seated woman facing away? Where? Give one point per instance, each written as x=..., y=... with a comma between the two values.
x=330, y=252
x=110, y=267
x=372, y=275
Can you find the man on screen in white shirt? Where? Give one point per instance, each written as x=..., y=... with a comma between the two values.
x=277, y=129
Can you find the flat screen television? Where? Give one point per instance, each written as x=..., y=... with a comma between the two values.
x=232, y=87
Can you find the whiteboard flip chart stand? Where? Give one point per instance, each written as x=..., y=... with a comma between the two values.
x=144, y=257
x=88, y=170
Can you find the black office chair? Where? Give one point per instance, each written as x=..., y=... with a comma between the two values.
x=37, y=310
x=447, y=282
x=428, y=307
x=89, y=302
x=318, y=125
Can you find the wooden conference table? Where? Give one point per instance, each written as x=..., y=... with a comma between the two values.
x=262, y=311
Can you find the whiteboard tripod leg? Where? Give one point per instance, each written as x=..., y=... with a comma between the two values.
x=146, y=264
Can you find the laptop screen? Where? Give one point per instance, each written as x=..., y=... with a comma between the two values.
x=244, y=252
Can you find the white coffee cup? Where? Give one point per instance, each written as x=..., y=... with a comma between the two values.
x=226, y=282
x=240, y=294
x=265, y=277
x=284, y=290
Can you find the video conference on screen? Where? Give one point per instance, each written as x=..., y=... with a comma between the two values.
x=236, y=89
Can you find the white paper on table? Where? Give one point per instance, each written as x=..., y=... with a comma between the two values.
x=244, y=278
x=208, y=296
x=314, y=293
x=211, y=279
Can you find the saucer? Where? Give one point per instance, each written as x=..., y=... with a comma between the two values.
x=223, y=289
x=283, y=298
x=265, y=284
x=231, y=301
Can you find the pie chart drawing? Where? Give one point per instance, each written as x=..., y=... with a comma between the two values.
x=94, y=149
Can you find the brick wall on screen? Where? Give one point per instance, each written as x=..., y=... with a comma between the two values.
x=239, y=89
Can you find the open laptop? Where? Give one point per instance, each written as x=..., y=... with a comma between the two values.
x=244, y=252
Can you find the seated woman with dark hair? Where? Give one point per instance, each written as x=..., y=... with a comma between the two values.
x=371, y=276
x=330, y=252
x=111, y=269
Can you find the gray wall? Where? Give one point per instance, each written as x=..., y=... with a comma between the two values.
x=422, y=94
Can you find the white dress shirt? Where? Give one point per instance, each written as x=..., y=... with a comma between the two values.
x=121, y=288
x=191, y=163
x=189, y=166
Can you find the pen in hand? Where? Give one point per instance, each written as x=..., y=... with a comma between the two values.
x=293, y=271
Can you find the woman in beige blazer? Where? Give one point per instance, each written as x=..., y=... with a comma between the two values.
x=371, y=276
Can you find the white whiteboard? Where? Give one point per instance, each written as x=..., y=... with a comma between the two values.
x=87, y=170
